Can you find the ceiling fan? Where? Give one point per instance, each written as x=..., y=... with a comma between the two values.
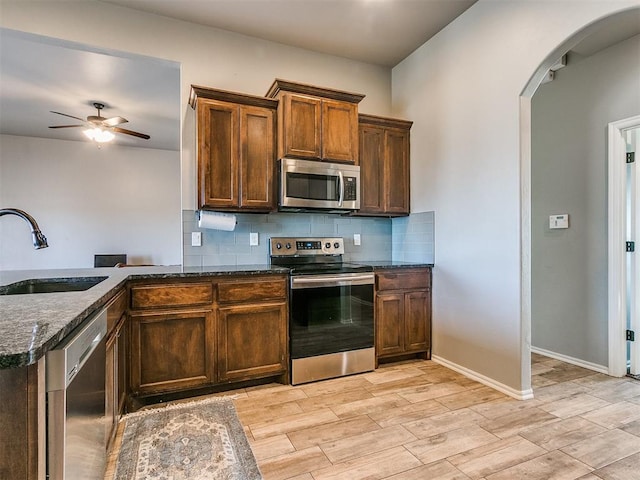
x=99, y=127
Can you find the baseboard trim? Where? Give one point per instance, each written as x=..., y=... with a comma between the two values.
x=573, y=361
x=489, y=382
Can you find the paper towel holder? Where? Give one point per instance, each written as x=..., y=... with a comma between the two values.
x=219, y=214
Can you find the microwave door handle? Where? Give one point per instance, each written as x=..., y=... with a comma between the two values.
x=341, y=187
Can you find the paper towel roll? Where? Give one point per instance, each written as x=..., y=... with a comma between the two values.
x=217, y=221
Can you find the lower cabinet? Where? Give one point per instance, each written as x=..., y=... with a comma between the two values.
x=171, y=351
x=188, y=335
x=403, y=313
x=252, y=341
x=115, y=374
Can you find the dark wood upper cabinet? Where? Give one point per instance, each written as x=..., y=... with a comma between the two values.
x=236, y=150
x=315, y=122
x=384, y=166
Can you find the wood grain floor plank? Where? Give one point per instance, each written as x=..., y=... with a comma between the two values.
x=348, y=448
x=324, y=433
x=550, y=466
x=615, y=415
x=468, y=398
x=444, y=422
x=292, y=423
x=377, y=466
x=574, y=405
x=369, y=406
x=496, y=456
x=449, y=443
x=292, y=464
x=561, y=433
x=624, y=469
x=271, y=447
x=441, y=470
x=605, y=448
x=408, y=413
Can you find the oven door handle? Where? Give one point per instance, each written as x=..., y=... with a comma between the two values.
x=342, y=280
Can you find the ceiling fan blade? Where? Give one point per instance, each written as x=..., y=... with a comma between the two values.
x=70, y=116
x=113, y=121
x=65, y=126
x=131, y=132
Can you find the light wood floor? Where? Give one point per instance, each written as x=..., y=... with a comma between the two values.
x=419, y=420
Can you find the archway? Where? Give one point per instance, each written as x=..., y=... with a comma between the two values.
x=527, y=277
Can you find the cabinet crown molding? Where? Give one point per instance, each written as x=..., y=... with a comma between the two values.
x=280, y=85
x=384, y=121
x=198, y=91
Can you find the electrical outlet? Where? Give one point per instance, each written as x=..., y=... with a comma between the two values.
x=196, y=239
x=356, y=239
x=253, y=239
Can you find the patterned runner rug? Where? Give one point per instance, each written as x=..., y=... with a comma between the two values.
x=201, y=440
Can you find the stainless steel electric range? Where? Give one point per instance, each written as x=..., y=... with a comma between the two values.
x=330, y=310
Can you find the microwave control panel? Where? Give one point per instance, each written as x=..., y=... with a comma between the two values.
x=350, y=188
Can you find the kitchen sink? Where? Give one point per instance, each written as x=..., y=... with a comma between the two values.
x=51, y=285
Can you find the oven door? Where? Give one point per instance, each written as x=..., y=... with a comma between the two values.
x=331, y=313
x=307, y=184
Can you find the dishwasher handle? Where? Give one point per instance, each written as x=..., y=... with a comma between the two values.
x=65, y=361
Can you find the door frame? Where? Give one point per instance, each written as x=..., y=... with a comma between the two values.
x=616, y=255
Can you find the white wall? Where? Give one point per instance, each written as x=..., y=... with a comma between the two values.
x=569, y=117
x=88, y=201
x=462, y=89
x=209, y=57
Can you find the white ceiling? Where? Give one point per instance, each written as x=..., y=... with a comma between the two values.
x=381, y=32
x=40, y=74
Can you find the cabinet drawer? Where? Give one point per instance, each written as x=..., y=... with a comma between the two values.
x=171, y=296
x=403, y=280
x=115, y=309
x=252, y=290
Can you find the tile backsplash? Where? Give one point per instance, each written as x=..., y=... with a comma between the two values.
x=232, y=248
x=378, y=237
x=413, y=238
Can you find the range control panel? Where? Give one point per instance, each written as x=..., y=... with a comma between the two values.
x=294, y=246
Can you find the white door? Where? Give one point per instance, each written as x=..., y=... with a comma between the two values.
x=632, y=137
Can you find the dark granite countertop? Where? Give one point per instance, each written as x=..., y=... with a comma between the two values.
x=32, y=324
x=384, y=265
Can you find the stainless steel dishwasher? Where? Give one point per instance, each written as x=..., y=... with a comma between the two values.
x=76, y=426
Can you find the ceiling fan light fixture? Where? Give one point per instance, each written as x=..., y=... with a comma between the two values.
x=99, y=135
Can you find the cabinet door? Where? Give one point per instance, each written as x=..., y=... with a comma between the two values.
x=252, y=341
x=397, y=171
x=122, y=367
x=416, y=328
x=171, y=351
x=371, y=169
x=111, y=389
x=301, y=127
x=218, y=145
x=257, y=158
x=339, y=131
x=389, y=324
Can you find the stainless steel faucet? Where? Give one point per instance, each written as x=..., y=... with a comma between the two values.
x=39, y=240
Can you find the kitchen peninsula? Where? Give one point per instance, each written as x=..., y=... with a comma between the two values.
x=226, y=304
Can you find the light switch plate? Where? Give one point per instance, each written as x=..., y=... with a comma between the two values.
x=253, y=239
x=559, y=221
x=356, y=239
x=196, y=239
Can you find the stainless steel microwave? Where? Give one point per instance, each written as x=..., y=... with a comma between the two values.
x=315, y=185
